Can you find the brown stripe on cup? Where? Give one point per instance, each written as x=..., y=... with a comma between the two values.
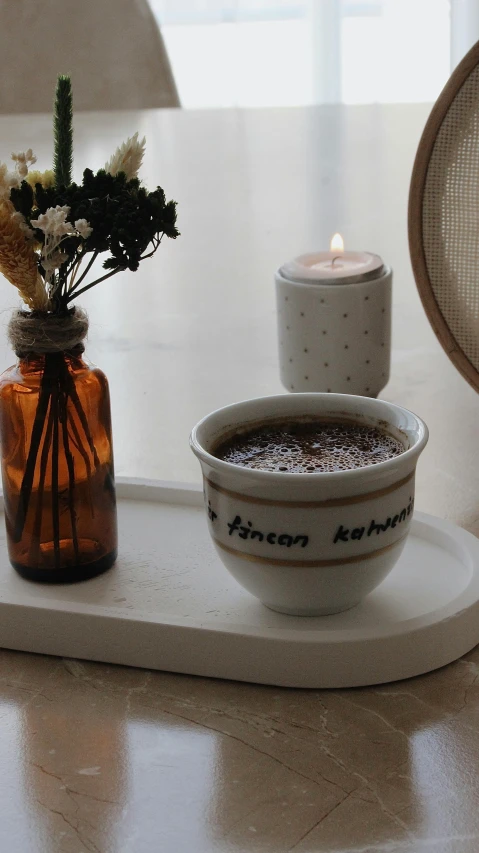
x=308, y=564
x=331, y=502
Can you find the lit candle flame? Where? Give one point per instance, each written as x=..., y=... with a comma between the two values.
x=337, y=243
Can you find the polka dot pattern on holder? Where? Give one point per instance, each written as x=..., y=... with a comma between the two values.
x=332, y=340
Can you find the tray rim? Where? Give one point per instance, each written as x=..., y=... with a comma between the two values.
x=277, y=656
x=191, y=494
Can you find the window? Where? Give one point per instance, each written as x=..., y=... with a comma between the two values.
x=252, y=53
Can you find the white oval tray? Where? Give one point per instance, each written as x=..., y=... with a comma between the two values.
x=169, y=604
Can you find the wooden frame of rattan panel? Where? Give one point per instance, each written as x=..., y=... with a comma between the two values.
x=415, y=217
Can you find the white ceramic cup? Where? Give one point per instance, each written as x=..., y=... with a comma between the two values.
x=334, y=336
x=309, y=544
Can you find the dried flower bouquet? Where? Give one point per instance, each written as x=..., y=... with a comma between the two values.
x=51, y=232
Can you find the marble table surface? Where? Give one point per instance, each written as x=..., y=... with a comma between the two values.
x=115, y=760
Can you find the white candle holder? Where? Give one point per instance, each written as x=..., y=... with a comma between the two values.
x=335, y=335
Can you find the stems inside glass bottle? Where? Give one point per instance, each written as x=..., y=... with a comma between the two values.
x=52, y=418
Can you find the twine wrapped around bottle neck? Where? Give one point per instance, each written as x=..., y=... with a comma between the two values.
x=31, y=333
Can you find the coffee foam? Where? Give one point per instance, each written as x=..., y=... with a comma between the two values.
x=305, y=448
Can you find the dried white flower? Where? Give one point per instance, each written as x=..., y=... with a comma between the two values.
x=54, y=222
x=56, y=227
x=7, y=181
x=127, y=157
x=23, y=160
x=24, y=226
x=84, y=228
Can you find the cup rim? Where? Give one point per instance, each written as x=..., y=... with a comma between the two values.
x=366, y=471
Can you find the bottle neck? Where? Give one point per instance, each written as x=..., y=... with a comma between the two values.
x=36, y=332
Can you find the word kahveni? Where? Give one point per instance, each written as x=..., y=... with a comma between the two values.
x=345, y=534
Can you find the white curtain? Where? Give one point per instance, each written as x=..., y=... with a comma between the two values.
x=464, y=28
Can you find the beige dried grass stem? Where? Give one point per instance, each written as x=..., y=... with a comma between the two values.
x=18, y=261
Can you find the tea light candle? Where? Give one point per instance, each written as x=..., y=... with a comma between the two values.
x=335, y=266
x=334, y=321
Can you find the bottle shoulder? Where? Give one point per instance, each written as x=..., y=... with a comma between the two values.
x=27, y=375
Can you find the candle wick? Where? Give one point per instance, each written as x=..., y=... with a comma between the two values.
x=337, y=258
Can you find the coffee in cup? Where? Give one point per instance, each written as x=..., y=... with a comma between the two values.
x=309, y=446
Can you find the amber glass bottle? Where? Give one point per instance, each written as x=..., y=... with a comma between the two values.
x=57, y=467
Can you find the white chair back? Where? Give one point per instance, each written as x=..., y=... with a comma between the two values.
x=113, y=50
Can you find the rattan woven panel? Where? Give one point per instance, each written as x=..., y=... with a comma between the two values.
x=451, y=218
